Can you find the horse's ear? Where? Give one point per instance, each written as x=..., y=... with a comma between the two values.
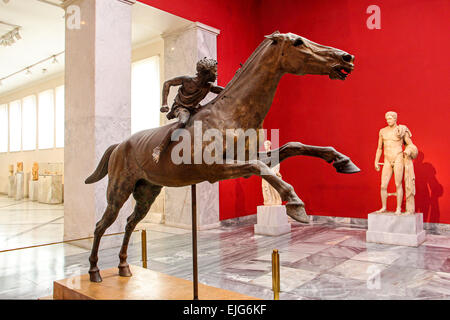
x=275, y=36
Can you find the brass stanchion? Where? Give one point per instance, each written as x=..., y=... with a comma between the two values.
x=194, y=240
x=276, y=274
x=144, y=248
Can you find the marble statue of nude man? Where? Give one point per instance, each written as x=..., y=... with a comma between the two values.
x=391, y=141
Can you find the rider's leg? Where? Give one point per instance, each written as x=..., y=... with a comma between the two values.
x=183, y=115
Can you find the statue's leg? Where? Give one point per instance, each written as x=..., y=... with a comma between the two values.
x=117, y=193
x=183, y=117
x=341, y=162
x=294, y=205
x=386, y=175
x=398, y=176
x=145, y=194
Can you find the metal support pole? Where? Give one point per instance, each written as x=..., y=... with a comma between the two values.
x=194, y=240
x=276, y=274
x=144, y=248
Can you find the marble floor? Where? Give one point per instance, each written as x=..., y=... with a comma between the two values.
x=318, y=261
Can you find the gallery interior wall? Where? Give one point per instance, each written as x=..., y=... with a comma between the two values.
x=403, y=66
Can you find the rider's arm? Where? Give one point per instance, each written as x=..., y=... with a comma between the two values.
x=216, y=89
x=169, y=83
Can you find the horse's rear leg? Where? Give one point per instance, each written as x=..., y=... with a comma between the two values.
x=341, y=162
x=145, y=194
x=116, y=198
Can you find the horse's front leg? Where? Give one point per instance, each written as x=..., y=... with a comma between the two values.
x=295, y=208
x=341, y=162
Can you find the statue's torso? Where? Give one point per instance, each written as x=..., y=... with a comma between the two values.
x=190, y=94
x=392, y=143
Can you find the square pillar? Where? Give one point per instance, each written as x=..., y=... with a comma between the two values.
x=98, y=107
x=182, y=49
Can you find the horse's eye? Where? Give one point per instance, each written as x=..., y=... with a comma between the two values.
x=298, y=42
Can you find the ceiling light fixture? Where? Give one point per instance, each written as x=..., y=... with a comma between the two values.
x=28, y=69
x=8, y=38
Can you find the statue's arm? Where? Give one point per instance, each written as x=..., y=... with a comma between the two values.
x=408, y=139
x=216, y=89
x=379, y=151
x=166, y=88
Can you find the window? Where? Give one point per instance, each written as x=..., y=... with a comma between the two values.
x=15, y=126
x=4, y=129
x=29, y=123
x=46, y=118
x=59, y=116
x=145, y=94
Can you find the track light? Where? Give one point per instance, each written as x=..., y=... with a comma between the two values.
x=28, y=72
x=8, y=38
x=55, y=60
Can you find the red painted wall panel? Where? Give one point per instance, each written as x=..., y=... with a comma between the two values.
x=404, y=67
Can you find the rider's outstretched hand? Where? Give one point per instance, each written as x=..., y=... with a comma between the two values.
x=164, y=108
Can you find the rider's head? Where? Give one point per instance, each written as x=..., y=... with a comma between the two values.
x=207, y=69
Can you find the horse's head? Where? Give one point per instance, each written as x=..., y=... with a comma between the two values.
x=301, y=56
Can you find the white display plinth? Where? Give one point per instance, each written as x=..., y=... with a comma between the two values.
x=397, y=229
x=33, y=190
x=50, y=189
x=272, y=221
x=11, y=186
x=19, y=185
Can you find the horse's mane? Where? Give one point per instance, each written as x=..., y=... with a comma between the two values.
x=240, y=71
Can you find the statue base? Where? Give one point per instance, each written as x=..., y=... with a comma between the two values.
x=272, y=221
x=33, y=190
x=12, y=186
x=396, y=229
x=145, y=284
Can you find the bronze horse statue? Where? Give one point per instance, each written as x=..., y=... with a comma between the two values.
x=244, y=104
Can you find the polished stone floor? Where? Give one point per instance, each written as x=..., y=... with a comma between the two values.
x=318, y=261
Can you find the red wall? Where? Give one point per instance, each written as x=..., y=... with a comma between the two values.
x=403, y=67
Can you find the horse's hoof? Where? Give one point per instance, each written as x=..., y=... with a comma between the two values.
x=125, y=271
x=297, y=212
x=345, y=166
x=94, y=276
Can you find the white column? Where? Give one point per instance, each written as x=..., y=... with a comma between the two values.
x=182, y=50
x=97, y=95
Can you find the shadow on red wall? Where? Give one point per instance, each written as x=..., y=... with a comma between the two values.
x=428, y=189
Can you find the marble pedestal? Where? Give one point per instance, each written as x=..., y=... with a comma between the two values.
x=50, y=189
x=33, y=190
x=19, y=185
x=272, y=221
x=11, y=186
x=390, y=228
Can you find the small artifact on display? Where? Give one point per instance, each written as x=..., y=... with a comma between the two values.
x=396, y=228
x=397, y=162
x=35, y=171
x=243, y=105
x=11, y=169
x=19, y=166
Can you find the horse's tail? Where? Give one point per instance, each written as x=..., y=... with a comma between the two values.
x=102, y=168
